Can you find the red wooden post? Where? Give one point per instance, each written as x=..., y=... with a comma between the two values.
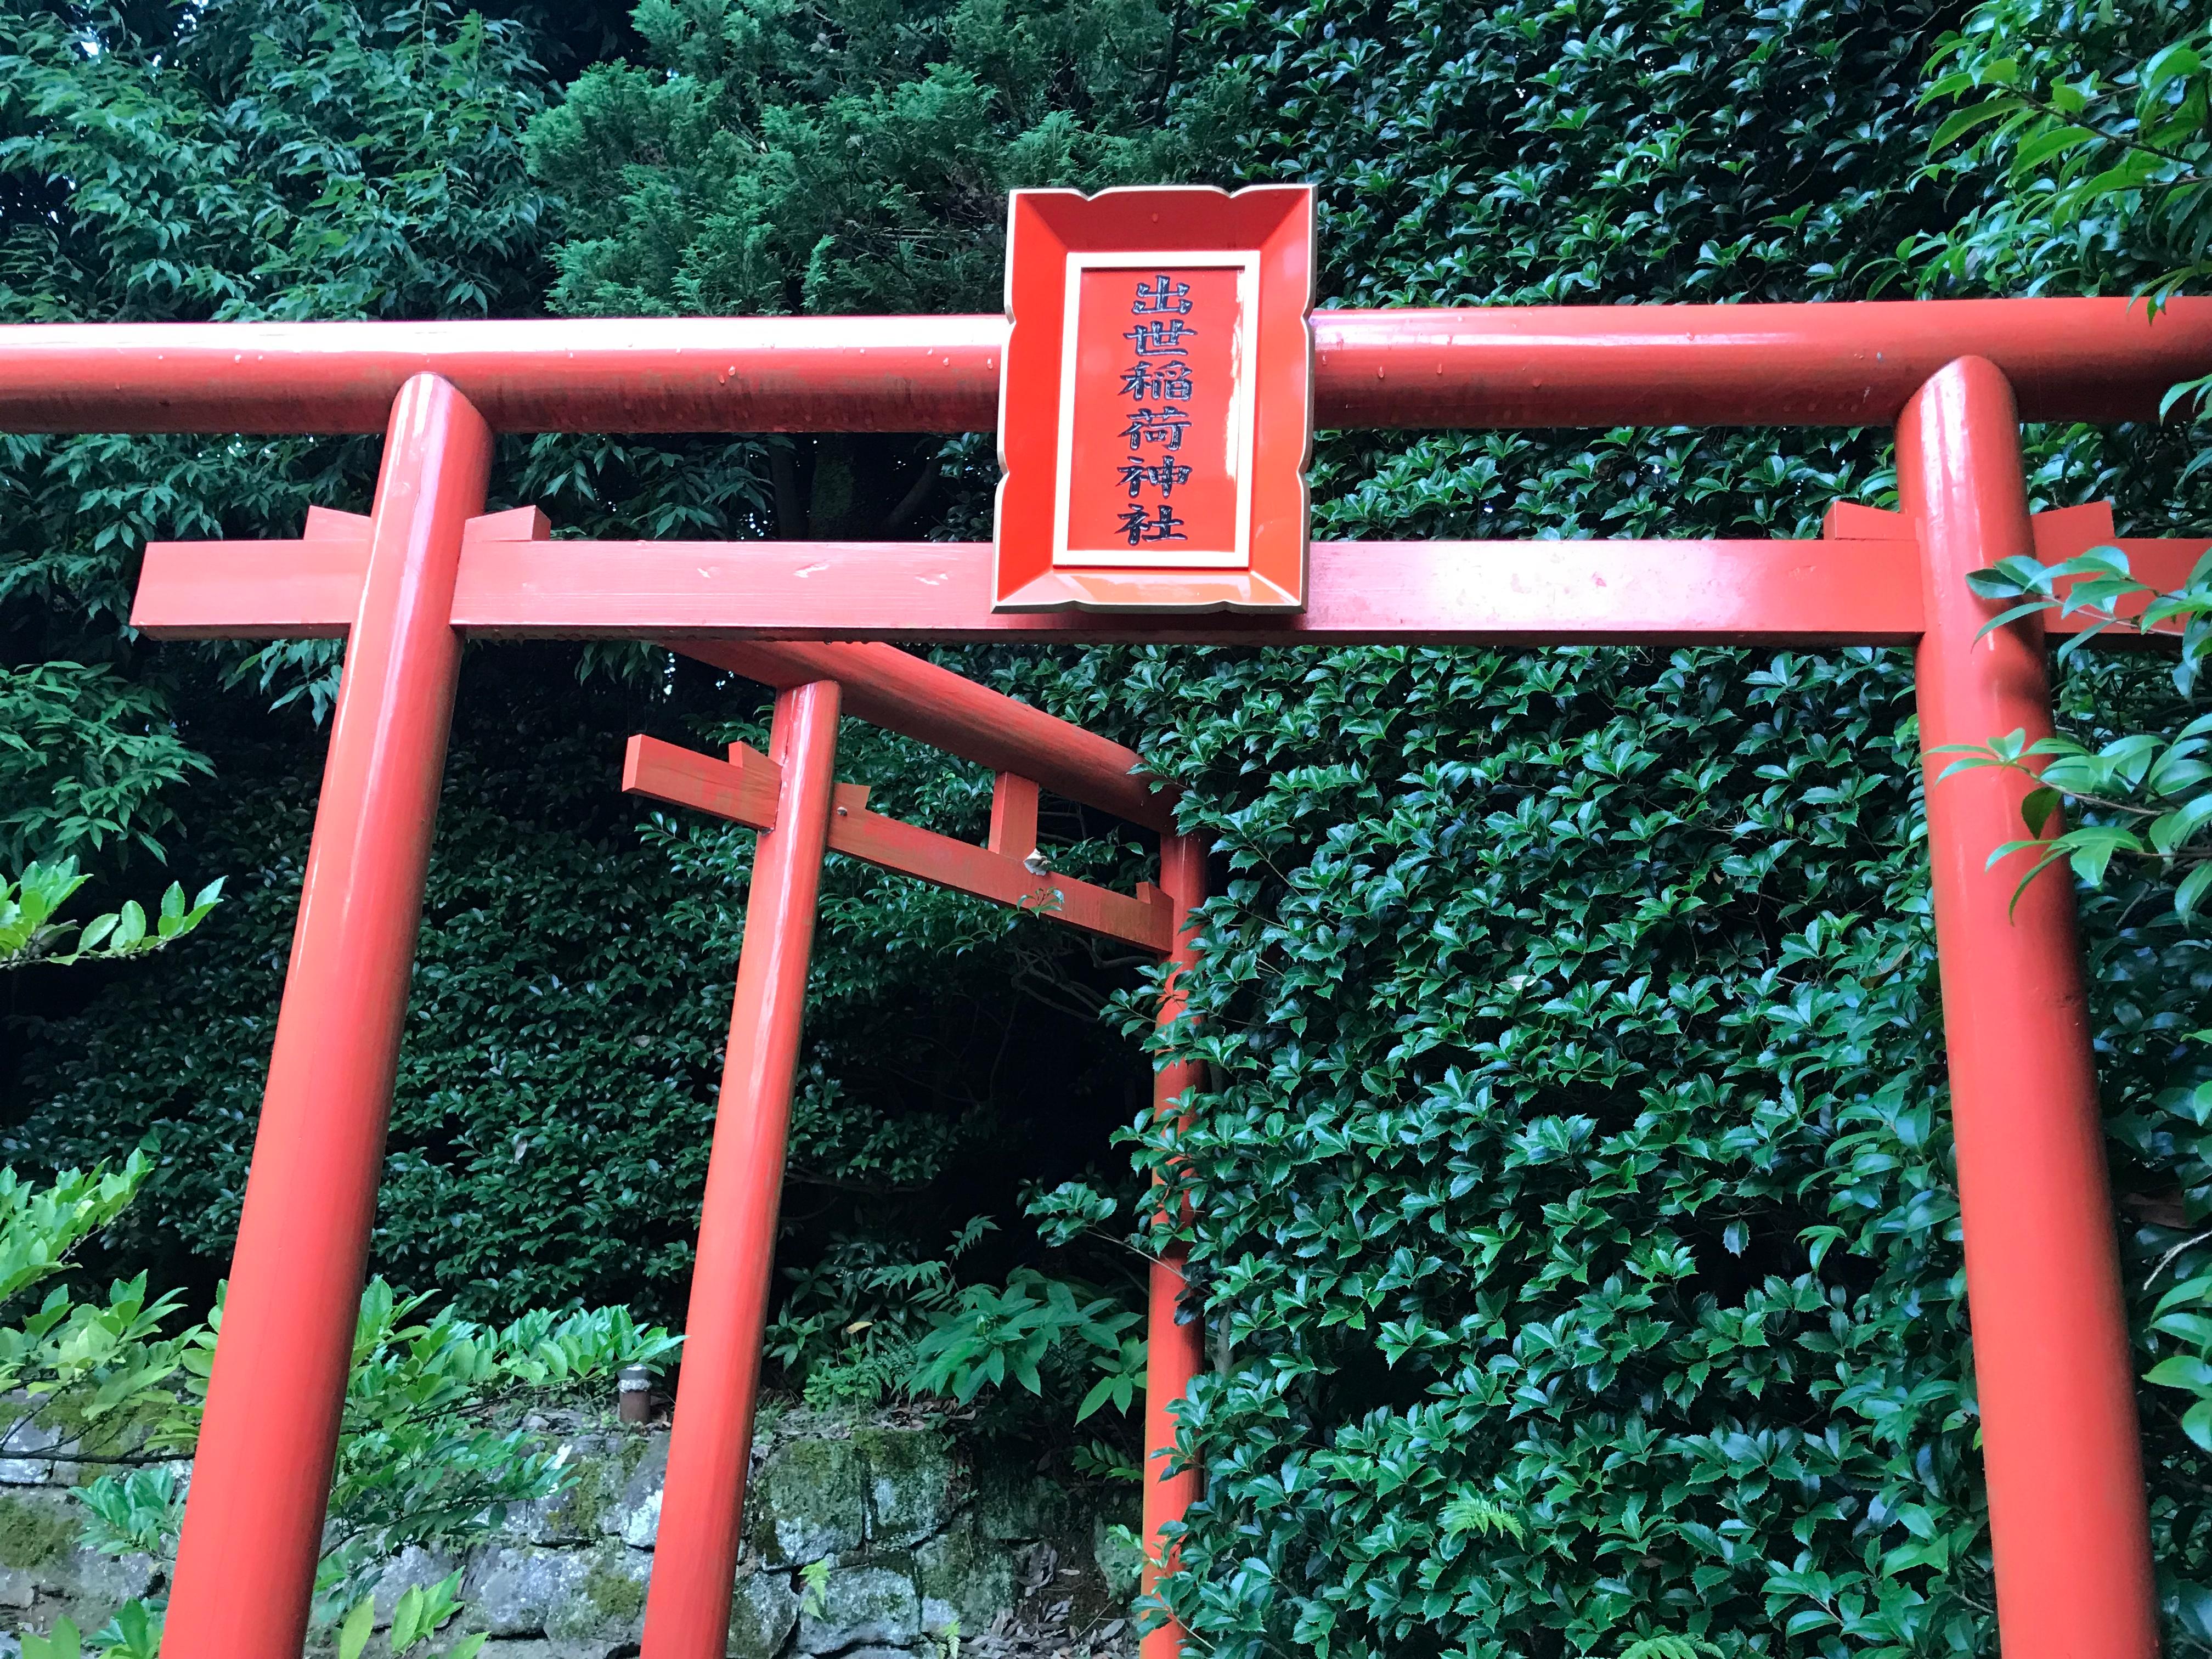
x=1013, y=816
x=687, y=1609
x=2067, y=1517
x=245, y=1568
x=1175, y=1352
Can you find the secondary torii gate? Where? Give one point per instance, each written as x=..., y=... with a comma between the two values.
x=788, y=794
x=2056, y=1393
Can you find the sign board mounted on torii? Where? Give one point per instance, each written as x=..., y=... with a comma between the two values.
x=1156, y=409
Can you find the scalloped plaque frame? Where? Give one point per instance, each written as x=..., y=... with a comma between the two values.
x=1155, y=400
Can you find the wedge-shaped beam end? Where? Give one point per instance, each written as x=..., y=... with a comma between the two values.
x=2061, y=533
x=742, y=789
x=307, y=589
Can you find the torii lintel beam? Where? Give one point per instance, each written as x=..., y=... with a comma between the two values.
x=312, y=588
x=1851, y=363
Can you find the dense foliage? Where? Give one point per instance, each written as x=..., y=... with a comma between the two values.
x=1574, y=1202
x=2093, y=119
x=117, y=1382
x=572, y=995
x=1574, y=1225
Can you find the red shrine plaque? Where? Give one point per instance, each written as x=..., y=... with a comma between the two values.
x=1155, y=407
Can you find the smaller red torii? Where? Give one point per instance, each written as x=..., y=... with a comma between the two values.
x=790, y=797
x=323, y=585
x=746, y=788
x=314, y=589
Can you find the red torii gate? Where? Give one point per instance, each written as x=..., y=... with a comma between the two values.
x=789, y=796
x=2056, y=1394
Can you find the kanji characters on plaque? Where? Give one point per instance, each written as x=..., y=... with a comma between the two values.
x=1154, y=415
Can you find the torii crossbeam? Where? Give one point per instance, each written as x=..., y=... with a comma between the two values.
x=428, y=566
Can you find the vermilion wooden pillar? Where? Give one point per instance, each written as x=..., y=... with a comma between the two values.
x=253, y=1526
x=687, y=1608
x=1174, y=1351
x=2067, y=1517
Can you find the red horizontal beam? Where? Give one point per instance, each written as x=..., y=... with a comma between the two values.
x=688, y=593
x=723, y=602
x=743, y=789
x=309, y=589
x=627, y=374
x=904, y=693
x=2163, y=563
x=1844, y=364
x=1847, y=364
x=1145, y=921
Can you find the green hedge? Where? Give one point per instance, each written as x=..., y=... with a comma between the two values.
x=549, y=1134
x=1574, y=1197
x=571, y=997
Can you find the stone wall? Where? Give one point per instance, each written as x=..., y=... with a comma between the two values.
x=921, y=1536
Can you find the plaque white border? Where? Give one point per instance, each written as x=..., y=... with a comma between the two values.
x=1243, y=358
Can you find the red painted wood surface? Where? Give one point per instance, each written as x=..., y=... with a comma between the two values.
x=1013, y=816
x=1175, y=1336
x=904, y=693
x=687, y=1608
x=743, y=790
x=2059, y=534
x=1849, y=589
x=1851, y=364
x=596, y=374
x=2053, y=1373
x=254, y=1522
x=289, y=590
x=1746, y=592
x=302, y=590
x=1145, y=920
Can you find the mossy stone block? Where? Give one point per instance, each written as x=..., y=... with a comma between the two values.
x=964, y=1573
x=35, y=1530
x=762, y=1613
x=862, y=1605
x=604, y=1604
x=602, y=1469
x=517, y=1590
x=635, y=1515
x=1017, y=1503
x=809, y=1501
x=910, y=1474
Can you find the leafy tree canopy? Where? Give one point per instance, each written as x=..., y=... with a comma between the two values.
x=848, y=156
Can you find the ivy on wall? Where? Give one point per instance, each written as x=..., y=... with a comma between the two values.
x=1573, y=1198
